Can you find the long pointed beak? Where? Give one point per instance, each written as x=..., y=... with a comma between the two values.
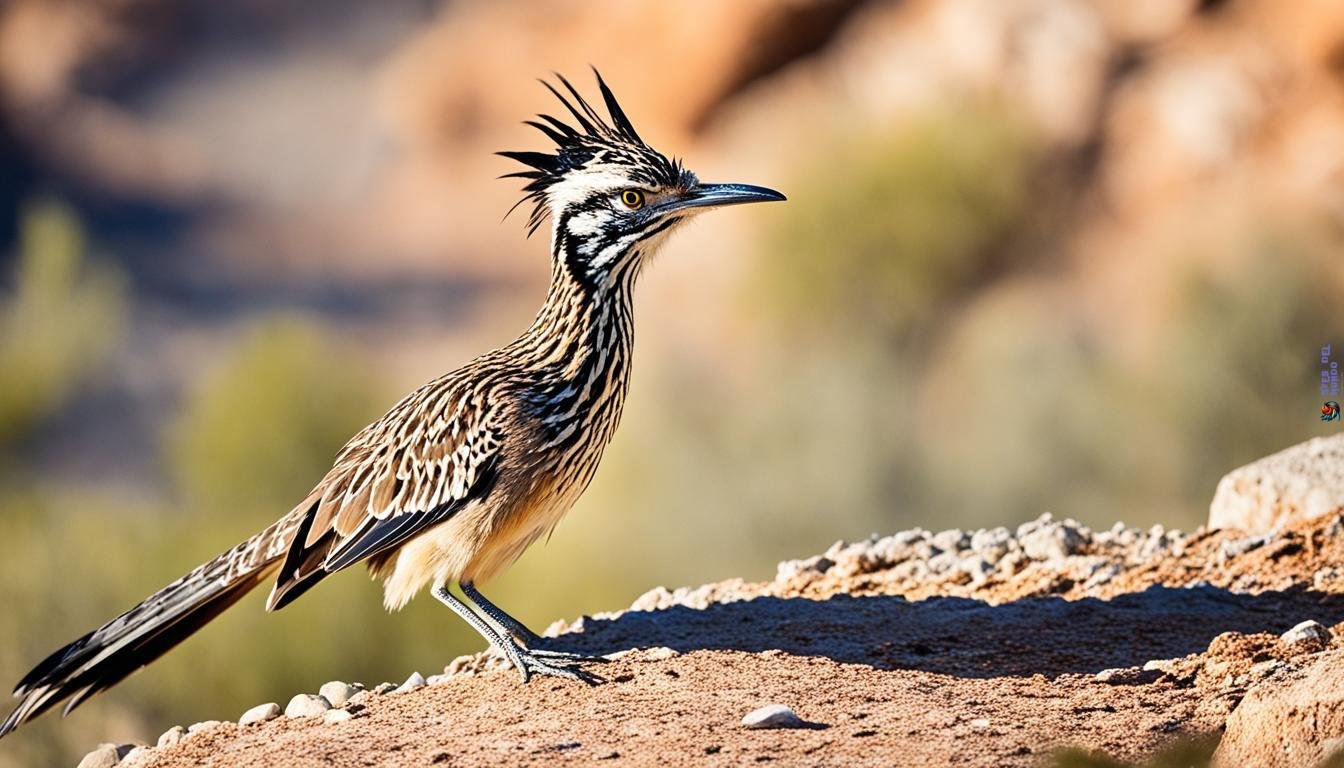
x=713, y=195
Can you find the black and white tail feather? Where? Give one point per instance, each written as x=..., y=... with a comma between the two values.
x=105, y=656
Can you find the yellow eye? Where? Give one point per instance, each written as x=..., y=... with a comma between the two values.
x=632, y=199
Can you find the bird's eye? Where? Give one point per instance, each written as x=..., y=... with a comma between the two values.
x=632, y=199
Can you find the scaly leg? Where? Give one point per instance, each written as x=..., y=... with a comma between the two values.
x=531, y=640
x=526, y=662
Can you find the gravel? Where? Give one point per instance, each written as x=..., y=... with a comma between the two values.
x=979, y=557
x=172, y=736
x=105, y=756
x=260, y=714
x=416, y=680
x=336, y=716
x=1306, y=632
x=337, y=693
x=772, y=716
x=306, y=705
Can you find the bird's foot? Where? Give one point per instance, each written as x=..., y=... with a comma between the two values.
x=531, y=663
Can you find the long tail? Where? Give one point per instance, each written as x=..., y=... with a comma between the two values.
x=105, y=656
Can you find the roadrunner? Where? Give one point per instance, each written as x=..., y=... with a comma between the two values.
x=453, y=483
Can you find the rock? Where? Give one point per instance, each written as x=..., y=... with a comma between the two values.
x=1128, y=675
x=105, y=756
x=772, y=716
x=306, y=705
x=260, y=714
x=416, y=680
x=204, y=725
x=1286, y=721
x=660, y=653
x=172, y=736
x=1306, y=632
x=385, y=688
x=137, y=756
x=336, y=692
x=1300, y=483
x=953, y=540
x=333, y=716
x=980, y=723
x=1051, y=541
x=1238, y=547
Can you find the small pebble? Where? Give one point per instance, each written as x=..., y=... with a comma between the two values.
x=660, y=653
x=437, y=679
x=306, y=705
x=383, y=688
x=416, y=680
x=1307, y=631
x=336, y=716
x=980, y=723
x=336, y=692
x=772, y=716
x=260, y=714
x=105, y=756
x=172, y=736
x=204, y=725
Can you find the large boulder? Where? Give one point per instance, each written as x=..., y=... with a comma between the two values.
x=1296, y=484
x=1288, y=723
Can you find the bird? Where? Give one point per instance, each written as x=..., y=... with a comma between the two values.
x=453, y=483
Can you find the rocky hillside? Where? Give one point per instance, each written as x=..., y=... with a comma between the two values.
x=982, y=648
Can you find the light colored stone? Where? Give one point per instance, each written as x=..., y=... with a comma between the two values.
x=1286, y=721
x=139, y=755
x=306, y=705
x=980, y=723
x=260, y=714
x=1306, y=632
x=105, y=756
x=204, y=725
x=333, y=716
x=772, y=716
x=336, y=692
x=1051, y=541
x=172, y=736
x=1300, y=483
x=661, y=653
x=385, y=688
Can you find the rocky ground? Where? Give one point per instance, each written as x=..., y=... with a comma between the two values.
x=978, y=648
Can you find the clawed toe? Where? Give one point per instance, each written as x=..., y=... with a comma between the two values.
x=542, y=653
x=533, y=665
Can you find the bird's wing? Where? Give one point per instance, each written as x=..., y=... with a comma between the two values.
x=435, y=452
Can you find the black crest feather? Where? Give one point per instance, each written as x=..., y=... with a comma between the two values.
x=610, y=136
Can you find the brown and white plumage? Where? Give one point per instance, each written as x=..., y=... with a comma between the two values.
x=457, y=479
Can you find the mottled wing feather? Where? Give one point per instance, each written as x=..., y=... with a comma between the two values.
x=433, y=453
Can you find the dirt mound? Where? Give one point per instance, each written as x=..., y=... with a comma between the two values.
x=985, y=648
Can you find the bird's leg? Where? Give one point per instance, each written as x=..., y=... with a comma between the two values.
x=524, y=661
x=531, y=640
x=515, y=627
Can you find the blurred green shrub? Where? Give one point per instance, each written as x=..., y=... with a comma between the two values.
x=890, y=226
x=261, y=429
x=57, y=328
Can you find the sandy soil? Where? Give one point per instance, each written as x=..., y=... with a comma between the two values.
x=888, y=665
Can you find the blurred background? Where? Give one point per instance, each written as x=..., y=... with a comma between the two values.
x=1076, y=256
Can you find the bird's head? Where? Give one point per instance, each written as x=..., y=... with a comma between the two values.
x=610, y=196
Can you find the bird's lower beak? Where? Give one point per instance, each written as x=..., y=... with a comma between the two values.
x=713, y=195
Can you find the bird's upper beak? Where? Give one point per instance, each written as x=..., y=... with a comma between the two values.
x=713, y=195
